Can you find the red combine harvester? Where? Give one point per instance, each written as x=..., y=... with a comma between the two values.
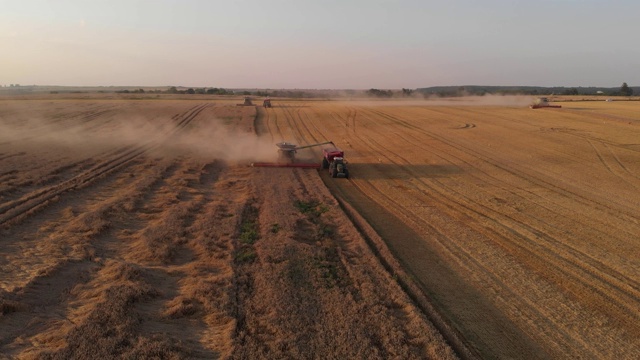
x=332, y=159
x=541, y=103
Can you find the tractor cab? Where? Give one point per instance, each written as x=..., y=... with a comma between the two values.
x=338, y=168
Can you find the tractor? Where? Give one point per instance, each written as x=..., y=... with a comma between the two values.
x=333, y=159
x=338, y=168
x=266, y=103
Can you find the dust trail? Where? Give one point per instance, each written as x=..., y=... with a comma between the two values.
x=208, y=140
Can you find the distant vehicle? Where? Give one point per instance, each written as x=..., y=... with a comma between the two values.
x=266, y=103
x=247, y=102
x=543, y=102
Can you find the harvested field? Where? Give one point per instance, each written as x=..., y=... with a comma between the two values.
x=133, y=228
x=136, y=229
x=522, y=226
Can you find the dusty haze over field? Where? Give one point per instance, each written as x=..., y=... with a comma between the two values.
x=327, y=44
x=208, y=140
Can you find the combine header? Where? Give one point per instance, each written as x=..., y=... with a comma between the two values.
x=332, y=159
x=543, y=102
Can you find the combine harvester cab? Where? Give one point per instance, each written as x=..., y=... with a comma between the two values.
x=542, y=103
x=286, y=151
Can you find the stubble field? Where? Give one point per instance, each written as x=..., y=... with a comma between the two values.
x=136, y=228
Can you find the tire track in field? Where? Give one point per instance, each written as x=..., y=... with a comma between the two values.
x=27, y=182
x=65, y=123
x=619, y=162
x=276, y=124
x=569, y=116
x=369, y=190
x=37, y=199
x=588, y=272
x=462, y=256
x=417, y=144
x=262, y=123
x=302, y=127
x=4, y=157
x=557, y=208
x=624, y=174
x=421, y=142
x=290, y=117
x=537, y=179
x=465, y=259
x=349, y=255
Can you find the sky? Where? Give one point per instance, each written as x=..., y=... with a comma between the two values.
x=320, y=44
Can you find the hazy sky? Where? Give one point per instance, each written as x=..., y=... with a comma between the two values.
x=326, y=44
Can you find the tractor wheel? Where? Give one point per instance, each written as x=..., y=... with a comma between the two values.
x=325, y=163
x=346, y=173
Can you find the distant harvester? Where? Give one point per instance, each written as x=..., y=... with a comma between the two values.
x=543, y=102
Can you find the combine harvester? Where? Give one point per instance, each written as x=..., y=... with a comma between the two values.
x=332, y=159
x=247, y=102
x=542, y=103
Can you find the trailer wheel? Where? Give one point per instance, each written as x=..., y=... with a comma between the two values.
x=325, y=163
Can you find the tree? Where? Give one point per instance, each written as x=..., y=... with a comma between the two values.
x=379, y=93
x=625, y=90
x=191, y=91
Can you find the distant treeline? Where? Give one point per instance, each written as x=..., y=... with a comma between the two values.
x=221, y=91
x=449, y=91
x=437, y=91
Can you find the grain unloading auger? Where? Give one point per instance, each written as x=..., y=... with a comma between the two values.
x=287, y=151
x=332, y=159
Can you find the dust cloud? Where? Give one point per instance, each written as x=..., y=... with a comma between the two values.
x=212, y=140
x=206, y=140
